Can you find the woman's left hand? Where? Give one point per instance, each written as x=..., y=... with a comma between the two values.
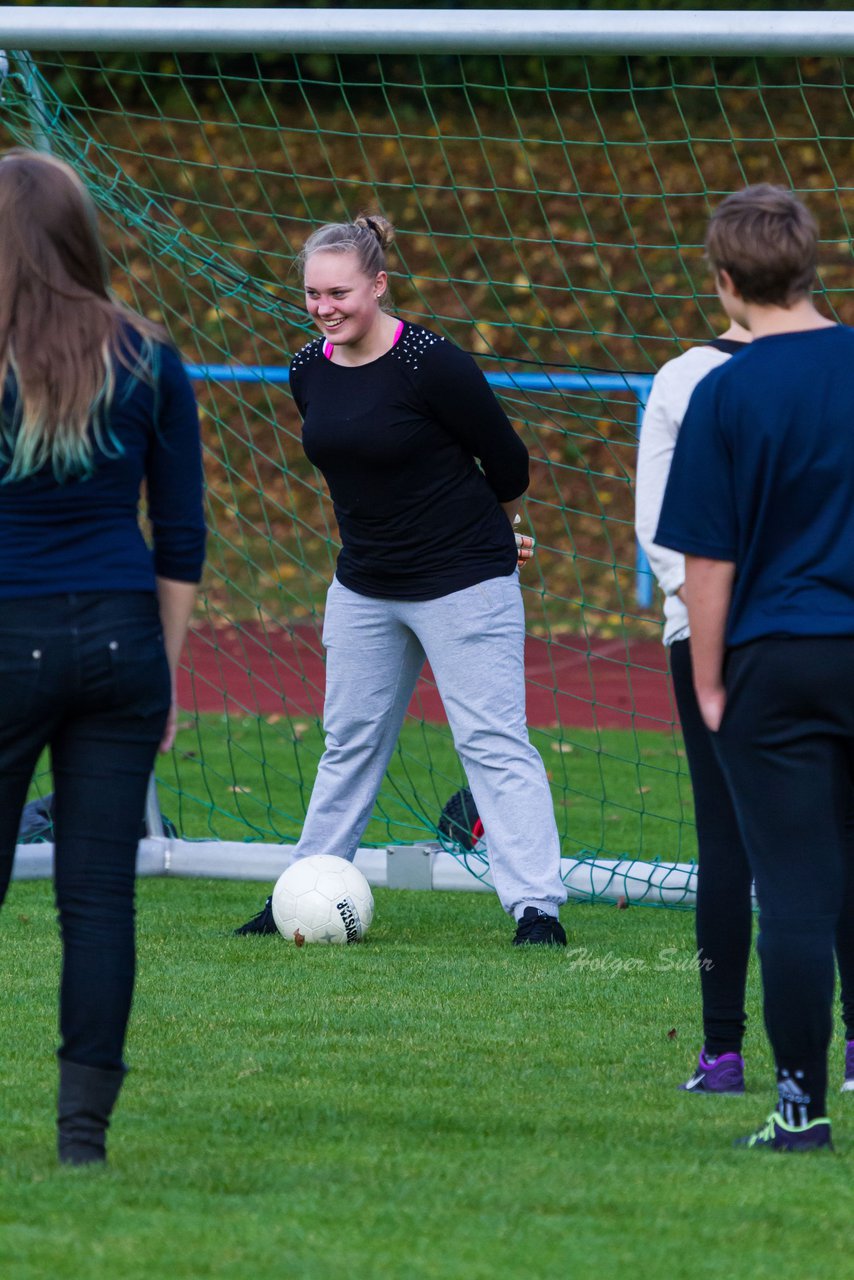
x=168, y=740
x=525, y=546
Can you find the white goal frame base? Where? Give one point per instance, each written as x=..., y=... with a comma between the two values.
x=413, y=866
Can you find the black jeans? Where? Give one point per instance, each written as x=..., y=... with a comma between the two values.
x=787, y=747
x=724, y=919
x=87, y=675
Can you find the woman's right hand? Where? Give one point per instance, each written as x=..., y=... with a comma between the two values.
x=712, y=704
x=525, y=547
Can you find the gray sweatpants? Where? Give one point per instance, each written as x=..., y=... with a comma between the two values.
x=474, y=642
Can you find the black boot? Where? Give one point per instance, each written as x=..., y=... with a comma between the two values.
x=87, y=1096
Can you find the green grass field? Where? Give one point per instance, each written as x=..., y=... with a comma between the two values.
x=432, y=1103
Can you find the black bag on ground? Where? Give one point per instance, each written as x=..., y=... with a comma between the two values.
x=36, y=821
x=36, y=826
x=459, y=821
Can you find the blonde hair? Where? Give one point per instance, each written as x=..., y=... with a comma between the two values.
x=369, y=236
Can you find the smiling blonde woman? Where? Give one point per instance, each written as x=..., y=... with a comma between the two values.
x=426, y=476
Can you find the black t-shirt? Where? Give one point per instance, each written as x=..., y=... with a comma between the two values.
x=396, y=441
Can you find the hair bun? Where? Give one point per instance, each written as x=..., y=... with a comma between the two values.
x=378, y=226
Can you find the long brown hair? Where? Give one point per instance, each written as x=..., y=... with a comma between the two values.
x=61, y=333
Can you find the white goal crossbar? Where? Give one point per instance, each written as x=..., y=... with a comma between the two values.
x=442, y=31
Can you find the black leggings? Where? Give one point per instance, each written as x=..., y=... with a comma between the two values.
x=724, y=917
x=787, y=748
x=724, y=881
x=86, y=675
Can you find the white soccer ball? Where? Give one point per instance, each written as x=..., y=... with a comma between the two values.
x=322, y=899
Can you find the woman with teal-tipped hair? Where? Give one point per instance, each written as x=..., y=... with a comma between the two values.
x=95, y=402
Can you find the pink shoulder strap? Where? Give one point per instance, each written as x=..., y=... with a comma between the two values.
x=328, y=348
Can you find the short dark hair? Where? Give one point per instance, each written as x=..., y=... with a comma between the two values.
x=767, y=240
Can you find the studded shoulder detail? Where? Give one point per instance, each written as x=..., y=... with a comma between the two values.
x=412, y=345
x=309, y=352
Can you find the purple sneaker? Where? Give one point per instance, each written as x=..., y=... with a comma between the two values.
x=848, y=1082
x=724, y=1074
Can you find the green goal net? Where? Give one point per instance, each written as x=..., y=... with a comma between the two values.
x=550, y=216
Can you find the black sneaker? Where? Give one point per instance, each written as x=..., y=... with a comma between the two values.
x=262, y=923
x=540, y=929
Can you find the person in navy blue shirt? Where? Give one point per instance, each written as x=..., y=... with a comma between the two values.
x=95, y=403
x=426, y=476
x=760, y=499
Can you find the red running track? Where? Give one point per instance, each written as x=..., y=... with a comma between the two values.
x=250, y=669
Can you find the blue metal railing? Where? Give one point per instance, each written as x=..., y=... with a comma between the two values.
x=636, y=384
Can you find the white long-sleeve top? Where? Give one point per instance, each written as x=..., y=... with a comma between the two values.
x=669, y=395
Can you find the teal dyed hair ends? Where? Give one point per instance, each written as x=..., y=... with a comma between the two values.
x=62, y=336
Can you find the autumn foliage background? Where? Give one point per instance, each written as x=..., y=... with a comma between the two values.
x=550, y=218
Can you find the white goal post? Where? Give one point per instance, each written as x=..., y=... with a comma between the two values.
x=432, y=31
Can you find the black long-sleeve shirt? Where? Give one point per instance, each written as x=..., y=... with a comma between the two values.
x=397, y=442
